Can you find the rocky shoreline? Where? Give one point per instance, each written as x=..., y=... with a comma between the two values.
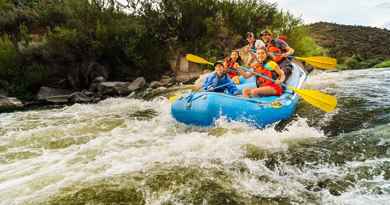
x=98, y=90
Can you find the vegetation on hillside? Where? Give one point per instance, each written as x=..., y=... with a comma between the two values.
x=67, y=44
x=354, y=46
x=384, y=64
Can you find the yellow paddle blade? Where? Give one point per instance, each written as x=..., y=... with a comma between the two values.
x=316, y=98
x=197, y=59
x=320, y=61
x=173, y=98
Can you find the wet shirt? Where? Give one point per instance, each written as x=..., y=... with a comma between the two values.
x=213, y=81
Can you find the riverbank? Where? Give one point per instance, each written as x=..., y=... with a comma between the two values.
x=69, y=44
x=354, y=64
x=53, y=98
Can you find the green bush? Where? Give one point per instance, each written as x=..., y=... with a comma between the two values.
x=384, y=64
x=303, y=44
x=212, y=28
x=36, y=75
x=369, y=63
x=138, y=42
x=5, y=5
x=8, y=58
x=353, y=62
x=357, y=62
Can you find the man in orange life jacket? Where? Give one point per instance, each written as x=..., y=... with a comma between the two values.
x=279, y=50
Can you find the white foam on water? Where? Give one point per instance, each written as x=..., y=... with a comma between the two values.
x=117, y=143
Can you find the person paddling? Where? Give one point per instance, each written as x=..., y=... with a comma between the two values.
x=264, y=66
x=231, y=64
x=219, y=81
x=279, y=51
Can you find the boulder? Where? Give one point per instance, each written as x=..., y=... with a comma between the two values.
x=160, y=89
x=137, y=84
x=80, y=97
x=88, y=93
x=99, y=79
x=54, y=95
x=155, y=84
x=9, y=103
x=167, y=81
x=59, y=99
x=114, y=88
x=84, y=74
x=93, y=87
x=97, y=72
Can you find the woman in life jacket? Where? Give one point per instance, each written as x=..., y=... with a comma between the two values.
x=264, y=66
x=231, y=64
x=279, y=51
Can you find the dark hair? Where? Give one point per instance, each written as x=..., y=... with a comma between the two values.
x=268, y=58
x=248, y=34
x=239, y=60
x=218, y=62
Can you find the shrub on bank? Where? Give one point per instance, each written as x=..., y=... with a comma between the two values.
x=8, y=57
x=384, y=64
x=56, y=42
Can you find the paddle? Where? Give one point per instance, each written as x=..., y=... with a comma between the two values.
x=173, y=98
x=321, y=62
x=316, y=98
x=197, y=59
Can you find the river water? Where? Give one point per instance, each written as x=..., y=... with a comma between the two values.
x=129, y=151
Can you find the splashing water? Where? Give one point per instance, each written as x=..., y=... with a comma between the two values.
x=133, y=152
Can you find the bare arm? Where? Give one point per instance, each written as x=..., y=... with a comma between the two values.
x=281, y=75
x=289, y=52
x=246, y=74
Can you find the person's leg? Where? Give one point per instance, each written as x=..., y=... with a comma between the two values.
x=246, y=92
x=263, y=91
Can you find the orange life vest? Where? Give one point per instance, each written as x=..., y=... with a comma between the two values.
x=275, y=52
x=259, y=68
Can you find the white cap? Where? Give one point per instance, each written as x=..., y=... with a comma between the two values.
x=259, y=44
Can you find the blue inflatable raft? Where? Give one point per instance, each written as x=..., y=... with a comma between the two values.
x=204, y=108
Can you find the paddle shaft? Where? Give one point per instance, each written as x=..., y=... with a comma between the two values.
x=262, y=76
x=190, y=99
x=320, y=100
x=221, y=86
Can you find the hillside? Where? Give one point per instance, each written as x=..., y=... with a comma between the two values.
x=358, y=42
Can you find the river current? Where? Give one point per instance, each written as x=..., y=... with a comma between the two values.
x=131, y=151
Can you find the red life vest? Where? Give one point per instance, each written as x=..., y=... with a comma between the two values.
x=259, y=68
x=267, y=69
x=275, y=51
x=232, y=72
